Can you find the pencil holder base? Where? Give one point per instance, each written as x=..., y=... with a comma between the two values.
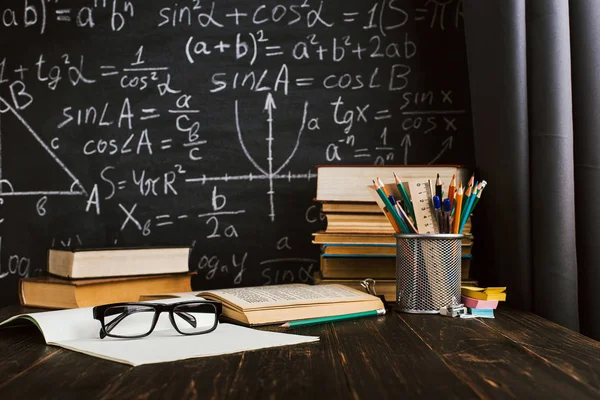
x=428, y=272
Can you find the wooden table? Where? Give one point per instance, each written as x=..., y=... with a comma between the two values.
x=517, y=355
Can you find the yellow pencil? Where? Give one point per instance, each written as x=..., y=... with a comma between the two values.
x=456, y=221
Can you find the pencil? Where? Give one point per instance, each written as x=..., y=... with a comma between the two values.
x=482, y=185
x=387, y=213
x=451, y=190
x=333, y=318
x=438, y=187
x=456, y=222
x=468, y=191
x=407, y=203
x=405, y=216
x=390, y=207
x=465, y=200
x=383, y=187
x=466, y=211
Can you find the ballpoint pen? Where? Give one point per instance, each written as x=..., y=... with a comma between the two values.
x=437, y=209
x=446, y=211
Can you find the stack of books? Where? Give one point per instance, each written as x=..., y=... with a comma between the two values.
x=87, y=278
x=359, y=241
x=482, y=302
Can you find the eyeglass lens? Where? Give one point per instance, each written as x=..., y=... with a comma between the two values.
x=128, y=320
x=194, y=318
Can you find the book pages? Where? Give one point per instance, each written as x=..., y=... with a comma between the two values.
x=259, y=297
x=76, y=330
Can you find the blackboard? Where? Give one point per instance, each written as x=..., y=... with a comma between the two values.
x=200, y=123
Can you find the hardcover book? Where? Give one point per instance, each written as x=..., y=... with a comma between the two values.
x=264, y=305
x=110, y=262
x=51, y=292
x=349, y=182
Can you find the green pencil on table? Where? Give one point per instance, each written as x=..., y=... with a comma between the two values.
x=333, y=318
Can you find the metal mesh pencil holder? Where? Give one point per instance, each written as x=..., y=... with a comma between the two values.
x=428, y=272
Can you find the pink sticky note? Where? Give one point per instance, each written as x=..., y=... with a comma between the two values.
x=475, y=303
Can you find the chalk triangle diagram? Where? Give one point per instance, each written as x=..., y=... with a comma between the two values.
x=28, y=166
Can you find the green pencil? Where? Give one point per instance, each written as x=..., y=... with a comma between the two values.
x=483, y=185
x=407, y=203
x=390, y=207
x=333, y=318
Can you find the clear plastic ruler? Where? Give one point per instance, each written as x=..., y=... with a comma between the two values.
x=421, y=196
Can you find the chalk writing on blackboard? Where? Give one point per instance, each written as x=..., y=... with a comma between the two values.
x=135, y=123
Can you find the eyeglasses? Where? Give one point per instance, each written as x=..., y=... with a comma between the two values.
x=136, y=320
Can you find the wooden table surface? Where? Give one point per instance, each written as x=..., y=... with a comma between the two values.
x=516, y=355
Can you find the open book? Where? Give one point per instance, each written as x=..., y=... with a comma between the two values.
x=77, y=330
x=263, y=305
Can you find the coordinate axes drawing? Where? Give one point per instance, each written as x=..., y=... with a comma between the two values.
x=270, y=173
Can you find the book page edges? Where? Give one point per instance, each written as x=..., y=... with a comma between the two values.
x=117, y=262
x=285, y=314
x=232, y=300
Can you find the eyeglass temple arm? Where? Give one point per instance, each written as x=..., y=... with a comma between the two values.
x=111, y=325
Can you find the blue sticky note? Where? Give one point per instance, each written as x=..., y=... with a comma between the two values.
x=482, y=312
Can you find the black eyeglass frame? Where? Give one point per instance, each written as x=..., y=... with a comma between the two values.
x=99, y=311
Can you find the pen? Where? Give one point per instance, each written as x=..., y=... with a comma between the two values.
x=398, y=208
x=437, y=209
x=446, y=210
x=405, y=217
x=333, y=318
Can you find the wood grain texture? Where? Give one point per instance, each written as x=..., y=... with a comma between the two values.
x=204, y=378
x=385, y=359
x=311, y=370
x=20, y=350
x=516, y=355
x=302, y=371
x=492, y=364
x=574, y=354
x=65, y=375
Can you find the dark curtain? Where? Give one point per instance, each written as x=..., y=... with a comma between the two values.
x=534, y=70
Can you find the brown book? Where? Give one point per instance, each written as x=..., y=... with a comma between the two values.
x=264, y=305
x=52, y=292
x=358, y=267
x=350, y=182
x=323, y=237
x=341, y=250
x=112, y=262
x=350, y=207
x=467, y=239
x=358, y=223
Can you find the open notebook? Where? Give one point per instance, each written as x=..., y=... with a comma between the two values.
x=75, y=329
